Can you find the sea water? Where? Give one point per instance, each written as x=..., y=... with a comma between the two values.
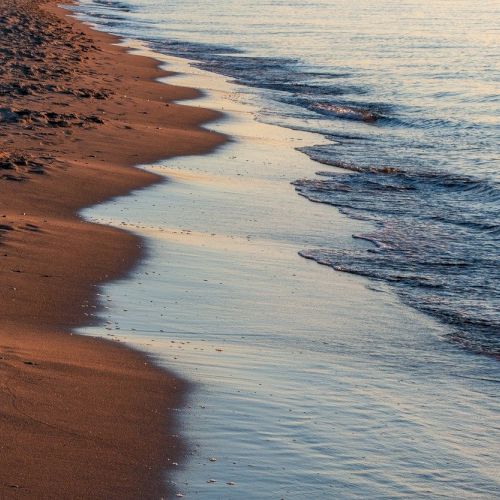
x=311, y=383
x=406, y=94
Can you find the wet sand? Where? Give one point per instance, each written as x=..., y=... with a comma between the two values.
x=80, y=417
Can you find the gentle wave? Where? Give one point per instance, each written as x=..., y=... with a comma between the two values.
x=346, y=112
x=439, y=251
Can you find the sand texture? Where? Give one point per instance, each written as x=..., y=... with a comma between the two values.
x=79, y=417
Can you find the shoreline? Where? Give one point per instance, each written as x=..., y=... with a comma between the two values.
x=366, y=361
x=68, y=144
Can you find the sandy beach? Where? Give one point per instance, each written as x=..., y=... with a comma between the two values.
x=80, y=417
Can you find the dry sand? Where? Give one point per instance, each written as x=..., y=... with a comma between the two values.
x=79, y=417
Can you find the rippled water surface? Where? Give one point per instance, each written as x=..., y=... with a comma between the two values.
x=406, y=93
x=311, y=383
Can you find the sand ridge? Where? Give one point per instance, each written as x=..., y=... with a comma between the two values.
x=79, y=417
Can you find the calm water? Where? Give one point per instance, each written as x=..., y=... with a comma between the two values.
x=407, y=94
x=312, y=383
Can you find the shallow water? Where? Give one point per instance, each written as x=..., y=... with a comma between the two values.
x=406, y=94
x=308, y=383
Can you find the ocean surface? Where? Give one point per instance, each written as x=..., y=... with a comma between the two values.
x=309, y=382
x=407, y=94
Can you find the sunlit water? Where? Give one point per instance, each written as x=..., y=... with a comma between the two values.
x=407, y=94
x=309, y=383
